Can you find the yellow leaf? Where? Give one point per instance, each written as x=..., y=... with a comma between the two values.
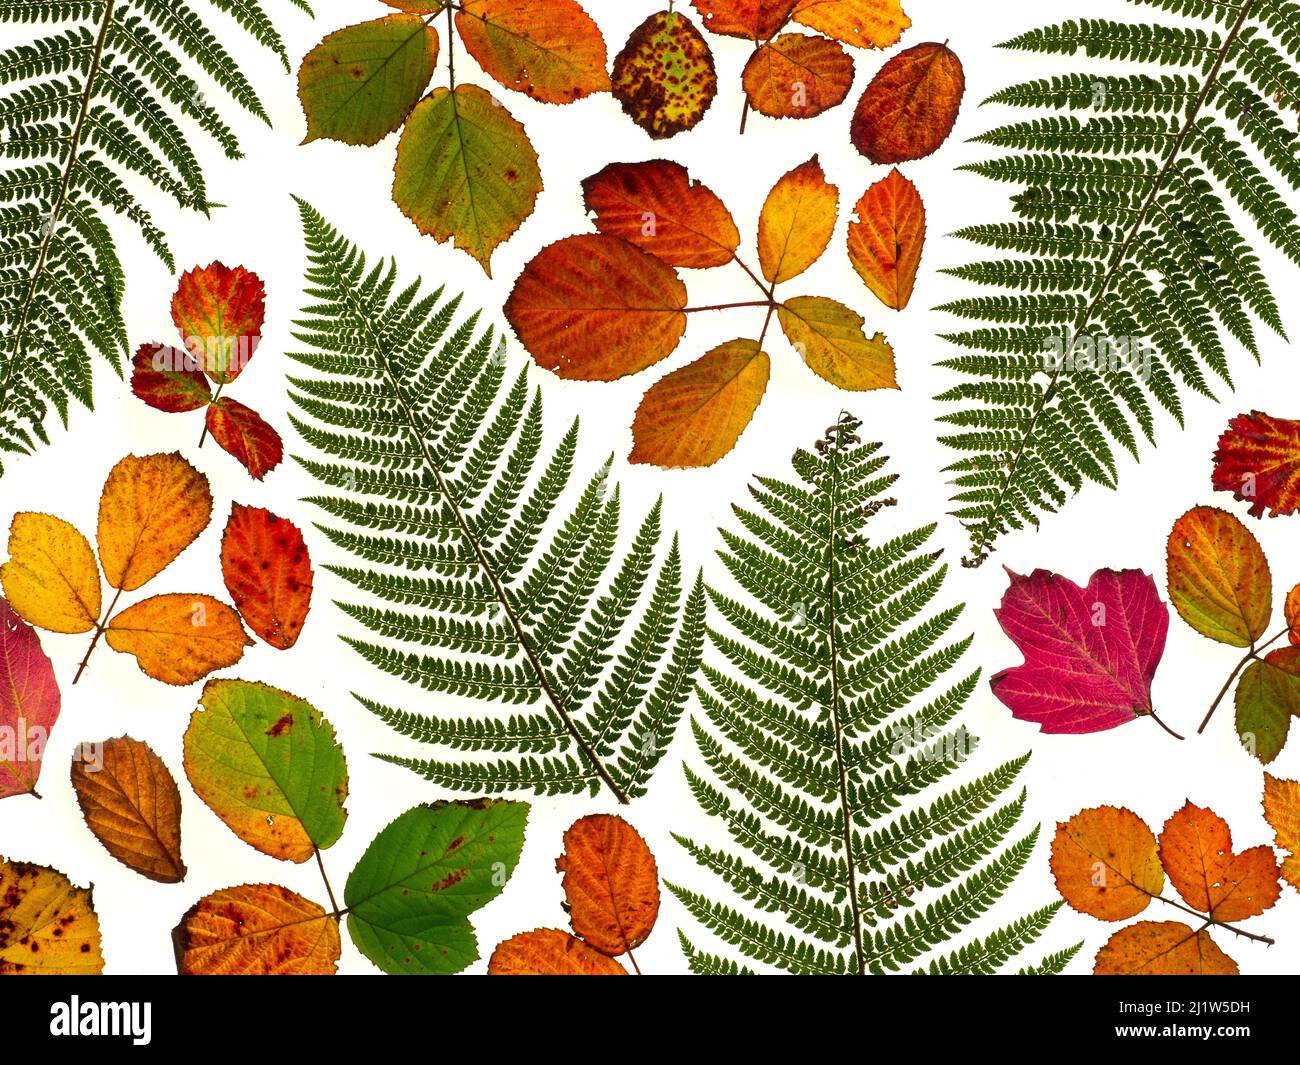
x=1282, y=812
x=829, y=336
x=51, y=578
x=861, y=23
x=797, y=221
x=257, y=930
x=179, y=639
x=47, y=926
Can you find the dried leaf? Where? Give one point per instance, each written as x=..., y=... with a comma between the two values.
x=1282, y=812
x=910, y=106
x=797, y=221
x=886, y=237
x=51, y=578
x=1106, y=863
x=1292, y=611
x=47, y=926
x=257, y=930
x=861, y=23
x=664, y=76
x=1162, y=948
x=1219, y=580
x=1258, y=461
x=550, y=952
x=797, y=76
x=219, y=312
x=1267, y=697
x=611, y=883
x=830, y=339
x=268, y=574
x=169, y=379
x=757, y=20
x=179, y=639
x=29, y=704
x=242, y=432
x=1196, y=851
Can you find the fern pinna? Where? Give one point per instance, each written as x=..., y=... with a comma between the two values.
x=1127, y=258
x=823, y=765
x=83, y=108
x=452, y=522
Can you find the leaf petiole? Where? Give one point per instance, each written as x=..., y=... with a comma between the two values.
x=1250, y=656
x=100, y=626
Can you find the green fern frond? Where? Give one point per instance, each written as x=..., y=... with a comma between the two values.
x=1127, y=263
x=83, y=108
x=477, y=582
x=828, y=740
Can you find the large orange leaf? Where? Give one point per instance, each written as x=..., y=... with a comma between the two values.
x=831, y=340
x=268, y=573
x=1106, y=863
x=1162, y=948
x=611, y=883
x=132, y=805
x=1282, y=812
x=861, y=23
x=886, y=238
x=695, y=415
x=151, y=509
x=756, y=19
x=596, y=308
x=1258, y=461
x=219, y=313
x=550, y=952
x=179, y=639
x=549, y=49
x=257, y=930
x=797, y=221
x=664, y=77
x=910, y=106
x=51, y=579
x=1219, y=579
x=1196, y=851
x=797, y=76
x=656, y=206
x=48, y=927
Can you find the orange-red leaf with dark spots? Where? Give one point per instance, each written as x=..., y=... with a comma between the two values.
x=910, y=106
x=1258, y=461
x=243, y=433
x=268, y=573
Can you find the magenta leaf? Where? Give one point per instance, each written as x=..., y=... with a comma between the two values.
x=29, y=704
x=1090, y=653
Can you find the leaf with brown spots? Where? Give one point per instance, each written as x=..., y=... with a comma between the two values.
x=132, y=805
x=268, y=574
x=797, y=76
x=179, y=638
x=48, y=927
x=1106, y=863
x=1162, y=948
x=257, y=930
x=550, y=952
x=664, y=76
x=1196, y=851
x=910, y=106
x=886, y=238
x=611, y=883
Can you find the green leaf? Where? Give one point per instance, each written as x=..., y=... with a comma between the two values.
x=1267, y=697
x=268, y=765
x=410, y=896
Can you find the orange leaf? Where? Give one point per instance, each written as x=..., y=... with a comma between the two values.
x=131, y=803
x=1106, y=863
x=611, y=883
x=1282, y=812
x=268, y=573
x=910, y=106
x=550, y=952
x=830, y=339
x=151, y=509
x=596, y=308
x=886, y=238
x=1162, y=948
x=219, y=312
x=656, y=206
x=179, y=639
x=664, y=77
x=1258, y=461
x=861, y=23
x=1292, y=612
x=1196, y=851
x=755, y=19
x=1219, y=580
x=169, y=379
x=48, y=927
x=695, y=415
x=550, y=50
x=797, y=221
x=257, y=930
x=797, y=76
x=241, y=432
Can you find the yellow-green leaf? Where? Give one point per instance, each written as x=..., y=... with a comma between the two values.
x=830, y=338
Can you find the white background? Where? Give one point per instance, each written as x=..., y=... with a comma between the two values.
x=1138, y=765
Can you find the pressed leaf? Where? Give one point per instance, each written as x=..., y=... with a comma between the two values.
x=410, y=896
x=830, y=339
x=1162, y=948
x=1267, y=697
x=550, y=50
x=1282, y=812
x=886, y=237
x=219, y=312
x=257, y=930
x=268, y=573
x=797, y=76
x=756, y=19
x=611, y=883
x=1106, y=863
x=1219, y=580
x=466, y=171
x=179, y=638
x=48, y=927
x=861, y=23
x=169, y=379
x=1196, y=851
x=664, y=76
x=51, y=578
x=695, y=415
x=267, y=764
x=596, y=308
x=359, y=84
x=29, y=704
x=244, y=434
x=1292, y=611
x=550, y=952
x=151, y=509
x=1258, y=461
x=132, y=805
x=910, y=106
x=797, y=221
x=656, y=206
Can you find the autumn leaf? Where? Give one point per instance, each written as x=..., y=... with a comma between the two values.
x=257, y=930
x=861, y=23
x=29, y=704
x=797, y=76
x=359, y=84
x=664, y=77
x=466, y=171
x=1090, y=653
x=596, y=308
x=179, y=638
x=242, y=433
x=268, y=574
x=830, y=339
x=550, y=50
x=611, y=883
x=151, y=509
x=1106, y=863
x=1162, y=948
x=51, y=578
x=1258, y=461
x=910, y=106
x=756, y=19
x=219, y=313
x=1282, y=812
x=1267, y=697
x=267, y=764
x=169, y=379
x=886, y=238
x=656, y=206
x=48, y=927
x=796, y=222
x=1196, y=851
x=1219, y=581
x=550, y=952
x=132, y=805
x=1292, y=612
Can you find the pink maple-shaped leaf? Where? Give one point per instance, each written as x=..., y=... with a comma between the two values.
x=29, y=704
x=1090, y=653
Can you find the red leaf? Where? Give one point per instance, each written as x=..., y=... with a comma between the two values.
x=219, y=312
x=1258, y=461
x=268, y=573
x=242, y=432
x=29, y=704
x=169, y=379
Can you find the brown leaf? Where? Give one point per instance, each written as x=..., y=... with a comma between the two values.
x=910, y=106
x=886, y=238
x=664, y=76
x=797, y=76
x=611, y=883
x=550, y=952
